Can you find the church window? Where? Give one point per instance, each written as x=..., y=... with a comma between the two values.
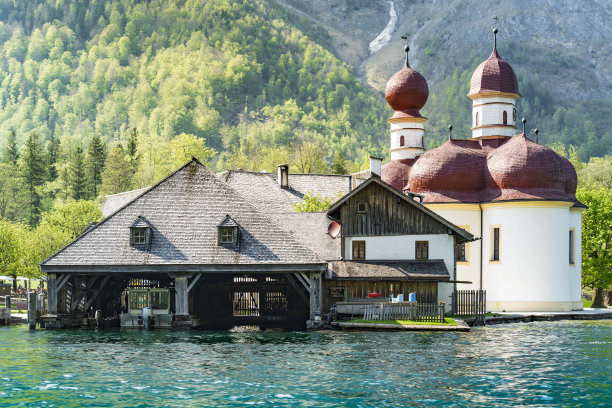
x=495, y=240
x=505, y=117
x=572, y=248
x=358, y=250
x=421, y=250
x=401, y=140
x=460, y=255
x=476, y=118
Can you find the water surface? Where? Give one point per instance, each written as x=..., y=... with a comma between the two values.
x=534, y=364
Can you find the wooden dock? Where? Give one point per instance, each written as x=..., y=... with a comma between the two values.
x=460, y=327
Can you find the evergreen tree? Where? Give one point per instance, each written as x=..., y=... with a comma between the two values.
x=132, y=148
x=33, y=170
x=118, y=173
x=96, y=158
x=11, y=155
x=339, y=163
x=53, y=150
x=78, y=181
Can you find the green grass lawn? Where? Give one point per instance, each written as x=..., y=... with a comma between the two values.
x=447, y=322
x=586, y=303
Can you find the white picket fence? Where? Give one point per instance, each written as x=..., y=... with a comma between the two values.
x=422, y=312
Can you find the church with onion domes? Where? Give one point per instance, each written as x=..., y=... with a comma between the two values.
x=515, y=195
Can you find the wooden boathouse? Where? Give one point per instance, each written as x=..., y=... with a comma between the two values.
x=194, y=251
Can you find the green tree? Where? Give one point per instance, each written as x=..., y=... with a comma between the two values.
x=118, y=172
x=339, y=164
x=596, y=241
x=11, y=154
x=72, y=216
x=78, y=180
x=53, y=151
x=597, y=173
x=9, y=251
x=315, y=202
x=33, y=171
x=96, y=158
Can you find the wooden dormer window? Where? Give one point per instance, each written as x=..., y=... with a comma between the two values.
x=227, y=232
x=141, y=232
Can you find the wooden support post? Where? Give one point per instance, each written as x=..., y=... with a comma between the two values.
x=52, y=293
x=315, y=295
x=31, y=310
x=297, y=288
x=7, y=302
x=181, y=295
x=96, y=293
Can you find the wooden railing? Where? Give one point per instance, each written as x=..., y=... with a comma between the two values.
x=420, y=312
x=470, y=303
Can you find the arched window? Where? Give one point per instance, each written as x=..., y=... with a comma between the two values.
x=476, y=118
x=401, y=141
x=505, y=118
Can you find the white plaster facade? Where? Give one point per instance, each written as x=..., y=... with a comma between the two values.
x=402, y=247
x=488, y=115
x=412, y=130
x=534, y=271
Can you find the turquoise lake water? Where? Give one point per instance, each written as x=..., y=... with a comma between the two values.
x=534, y=364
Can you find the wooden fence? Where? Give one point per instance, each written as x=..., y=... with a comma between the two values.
x=470, y=303
x=421, y=312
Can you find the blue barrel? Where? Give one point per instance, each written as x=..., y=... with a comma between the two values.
x=412, y=297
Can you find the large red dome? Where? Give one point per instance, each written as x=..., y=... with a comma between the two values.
x=523, y=169
x=493, y=75
x=452, y=171
x=396, y=172
x=407, y=90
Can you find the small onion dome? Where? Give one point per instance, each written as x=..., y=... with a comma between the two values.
x=396, y=172
x=407, y=92
x=494, y=75
x=522, y=169
x=451, y=172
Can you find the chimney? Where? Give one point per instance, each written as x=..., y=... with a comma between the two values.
x=375, y=165
x=283, y=175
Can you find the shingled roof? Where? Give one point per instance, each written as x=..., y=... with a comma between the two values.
x=430, y=270
x=263, y=190
x=184, y=211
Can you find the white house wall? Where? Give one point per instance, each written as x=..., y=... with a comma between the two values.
x=402, y=247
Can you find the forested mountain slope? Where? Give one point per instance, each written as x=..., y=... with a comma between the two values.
x=247, y=76
x=559, y=50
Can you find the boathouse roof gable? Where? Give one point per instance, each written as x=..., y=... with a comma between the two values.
x=398, y=222
x=184, y=211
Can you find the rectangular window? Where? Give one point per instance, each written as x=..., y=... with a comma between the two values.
x=421, y=250
x=495, y=244
x=358, y=250
x=460, y=252
x=226, y=235
x=138, y=236
x=572, y=234
x=361, y=207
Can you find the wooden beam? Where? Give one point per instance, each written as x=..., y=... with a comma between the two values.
x=302, y=281
x=306, y=278
x=62, y=281
x=97, y=292
x=91, y=281
x=193, y=282
x=297, y=288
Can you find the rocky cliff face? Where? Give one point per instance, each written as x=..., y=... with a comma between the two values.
x=561, y=45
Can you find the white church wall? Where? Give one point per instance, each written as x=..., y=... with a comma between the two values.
x=533, y=271
x=490, y=112
x=575, y=270
x=466, y=216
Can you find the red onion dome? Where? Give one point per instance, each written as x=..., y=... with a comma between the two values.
x=396, y=172
x=407, y=90
x=522, y=169
x=453, y=171
x=571, y=178
x=494, y=75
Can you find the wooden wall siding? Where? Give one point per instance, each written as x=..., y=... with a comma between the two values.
x=385, y=216
x=426, y=292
